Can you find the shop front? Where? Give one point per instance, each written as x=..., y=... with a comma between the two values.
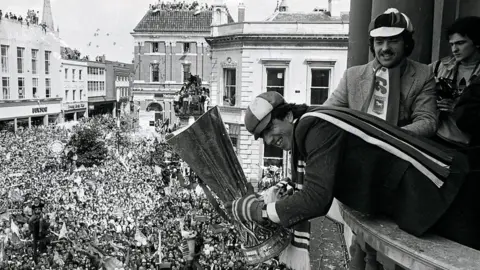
x=28, y=113
x=73, y=111
x=102, y=107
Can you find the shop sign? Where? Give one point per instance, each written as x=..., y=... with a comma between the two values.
x=39, y=110
x=76, y=106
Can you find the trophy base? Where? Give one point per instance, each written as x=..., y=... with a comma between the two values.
x=268, y=249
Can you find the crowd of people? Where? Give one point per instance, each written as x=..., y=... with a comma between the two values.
x=125, y=213
x=171, y=6
x=32, y=17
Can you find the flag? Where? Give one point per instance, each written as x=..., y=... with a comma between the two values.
x=57, y=259
x=140, y=238
x=159, y=250
x=15, y=233
x=158, y=170
x=63, y=232
x=15, y=195
x=5, y=216
x=112, y=263
x=8, y=156
x=2, y=250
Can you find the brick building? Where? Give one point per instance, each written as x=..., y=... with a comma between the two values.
x=169, y=46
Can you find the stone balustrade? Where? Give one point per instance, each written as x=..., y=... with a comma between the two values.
x=383, y=244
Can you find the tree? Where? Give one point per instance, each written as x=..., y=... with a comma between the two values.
x=90, y=146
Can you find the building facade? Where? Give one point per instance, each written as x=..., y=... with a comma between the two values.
x=75, y=89
x=300, y=55
x=98, y=102
x=30, y=78
x=119, y=85
x=169, y=47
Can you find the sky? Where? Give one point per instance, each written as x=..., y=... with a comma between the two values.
x=114, y=20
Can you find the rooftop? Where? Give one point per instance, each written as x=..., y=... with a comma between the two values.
x=305, y=17
x=176, y=21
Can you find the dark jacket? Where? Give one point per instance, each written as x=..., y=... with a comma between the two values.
x=365, y=177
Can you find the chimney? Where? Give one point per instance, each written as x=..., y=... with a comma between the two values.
x=241, y=12
x=329, y=10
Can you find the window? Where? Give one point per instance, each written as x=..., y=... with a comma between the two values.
x=4, y=51
x=319, y=86
x=21, y=88
x=186, y=47
x=186, y=72
x=6, y=87
x=102, y=71
x=47, y=88
x=47, y=62
x=66, y=95
x=276, y=80
x=230, y=85
x=66, y=73
x=73, y=94
x=34, y=61
x=154, y=47
x=73, y=75
x=20, y=56
x=34, y=87
x=80, y=75
x=155, y=72
x=81, y=94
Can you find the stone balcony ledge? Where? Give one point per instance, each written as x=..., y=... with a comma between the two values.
x=396, y=249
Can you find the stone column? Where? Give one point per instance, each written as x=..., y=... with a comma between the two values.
x=15, y=125
x=421, y=15
x=75, y=116
x=30, y=122
x=445, y=12
x=45, y=120
x=360, y=17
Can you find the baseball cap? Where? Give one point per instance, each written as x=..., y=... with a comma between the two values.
x=258, y=113
x=390, y=23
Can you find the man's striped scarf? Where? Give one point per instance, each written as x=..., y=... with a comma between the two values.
x=427, y=158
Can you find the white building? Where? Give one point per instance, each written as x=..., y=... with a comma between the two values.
x=30, y=77
x=75, y=96
x=301, y=55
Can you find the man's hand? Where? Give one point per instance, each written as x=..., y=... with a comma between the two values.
x=246, y=209
x=445, y=105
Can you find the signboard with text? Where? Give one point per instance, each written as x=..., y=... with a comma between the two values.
x=75, y=106
x=25, y=110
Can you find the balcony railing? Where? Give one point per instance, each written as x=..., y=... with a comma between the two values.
x=382, y=242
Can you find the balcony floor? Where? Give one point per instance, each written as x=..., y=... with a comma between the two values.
x=327, y=250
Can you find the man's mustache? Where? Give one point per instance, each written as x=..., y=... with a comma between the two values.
x=386, y=52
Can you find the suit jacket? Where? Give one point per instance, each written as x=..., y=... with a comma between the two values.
x=418, y=107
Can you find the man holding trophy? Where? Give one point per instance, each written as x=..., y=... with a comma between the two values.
x=362, y=161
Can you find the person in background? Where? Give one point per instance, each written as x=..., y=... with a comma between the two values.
x=392, y=86
x=458, y=94
x=453, y=75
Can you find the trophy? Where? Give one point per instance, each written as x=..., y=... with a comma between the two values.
x=206, y=147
